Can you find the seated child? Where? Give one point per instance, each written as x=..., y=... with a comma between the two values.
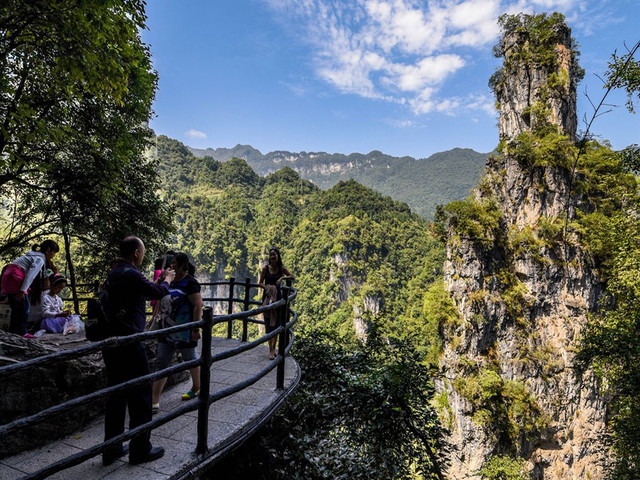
x=53, y=317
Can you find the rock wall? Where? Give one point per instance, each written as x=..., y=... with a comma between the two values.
x=365, y=307
x=524, y=83
x=523, y=299
x=27, y=393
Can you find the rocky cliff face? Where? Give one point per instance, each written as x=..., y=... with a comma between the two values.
x=524, y=81
x=366, y=307
x=26, y=393
x=523, y=289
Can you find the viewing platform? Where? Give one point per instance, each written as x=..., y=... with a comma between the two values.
x=241, y=389
x=231, y=421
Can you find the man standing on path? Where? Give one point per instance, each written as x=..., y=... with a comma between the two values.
x=128, y=291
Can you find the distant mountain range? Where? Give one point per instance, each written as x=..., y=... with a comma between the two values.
x=421, y=183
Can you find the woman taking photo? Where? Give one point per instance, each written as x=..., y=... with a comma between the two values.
x=185, y=306
x=27, y=271
x=273, y=274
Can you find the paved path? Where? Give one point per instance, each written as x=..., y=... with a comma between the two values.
x=231, y=420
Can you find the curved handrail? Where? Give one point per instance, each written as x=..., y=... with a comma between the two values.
x=205, y=360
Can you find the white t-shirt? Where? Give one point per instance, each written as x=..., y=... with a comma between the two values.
x=51, y=305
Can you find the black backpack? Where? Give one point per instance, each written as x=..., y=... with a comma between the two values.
x=98, y=325
x=103, y=317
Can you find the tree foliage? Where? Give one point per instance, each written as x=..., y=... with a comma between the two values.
x=504, y=468
x=624, y=72
x=76, y=87
x=358, y=256
x=611, y=341
x=539, y=32
x=363, y=409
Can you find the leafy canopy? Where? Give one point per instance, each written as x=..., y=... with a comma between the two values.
x=76, y=88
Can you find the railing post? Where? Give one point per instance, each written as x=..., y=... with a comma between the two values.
x=282, y=341
x=230, y=307
x=205, y=383
x=245, y=322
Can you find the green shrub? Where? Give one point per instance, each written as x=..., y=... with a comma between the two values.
x=504, y=468
x=533, y=149
x=477, y=220
x=505, y=407
x=550, y=229
x=441, y=317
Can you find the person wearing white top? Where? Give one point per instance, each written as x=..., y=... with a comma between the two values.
x=19, y=276
x=53, y=317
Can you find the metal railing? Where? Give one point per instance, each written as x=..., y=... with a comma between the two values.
x=206, y=360
x=90, y=289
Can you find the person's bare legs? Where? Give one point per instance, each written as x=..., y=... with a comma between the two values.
x=158, y=386
x=272, y=347
x=195, y=379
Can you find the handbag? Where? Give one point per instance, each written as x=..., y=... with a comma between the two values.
x=163, y=315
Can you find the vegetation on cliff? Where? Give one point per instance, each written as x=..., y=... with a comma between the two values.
x=590, y=228
x=363, y=265
x=611, y=342
x=358, y=256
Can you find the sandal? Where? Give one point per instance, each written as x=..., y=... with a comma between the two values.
x=190, y=395
x=154, y=408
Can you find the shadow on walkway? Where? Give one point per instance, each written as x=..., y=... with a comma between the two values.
x=231, y=421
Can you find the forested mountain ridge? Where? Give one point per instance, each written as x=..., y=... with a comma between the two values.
x=362, y=263
x=421, y=183
x=353, y=249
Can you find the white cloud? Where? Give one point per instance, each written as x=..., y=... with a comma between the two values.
x=196, y=134
x=423, y=103
x=426, y=102
x=554, y=4
x=404, y=123
x=428, y=71
x=473, y=23
x=482, y=103
x=590, y=18
x=470, y=103
x=402, y=51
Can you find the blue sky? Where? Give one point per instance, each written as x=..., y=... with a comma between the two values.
x=404, y=77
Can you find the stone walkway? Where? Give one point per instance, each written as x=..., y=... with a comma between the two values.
x=231, y=421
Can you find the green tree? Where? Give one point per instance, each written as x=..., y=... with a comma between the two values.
x=361, y=411
x=624, y=72
x=76, y=88
x=611, y=341
x=504, y=468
